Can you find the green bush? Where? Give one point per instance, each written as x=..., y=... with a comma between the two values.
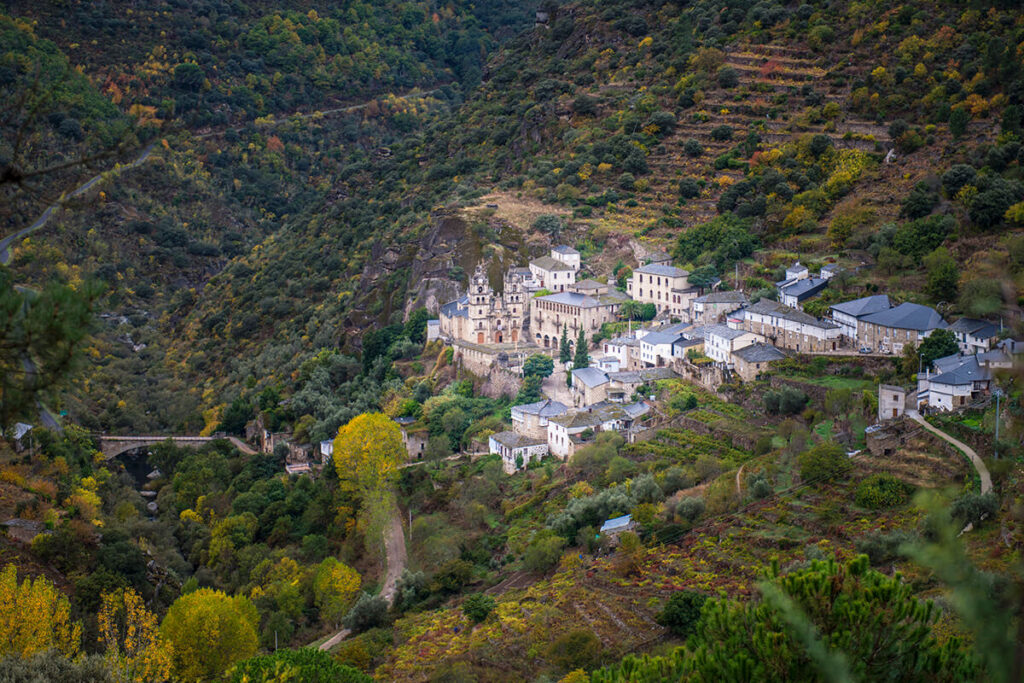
x=477, y=606
x=579, y=649
x=826, y=461
x=881, y=491
x=682, y=612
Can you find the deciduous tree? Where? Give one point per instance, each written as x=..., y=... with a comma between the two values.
x=134, y=650
x=34, y=617
x=334, y=588
x=209, y=632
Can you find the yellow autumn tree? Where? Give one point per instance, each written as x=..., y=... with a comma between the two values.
x=134, y=650
x=34, y=617
x=367, y=453
x=334, y=588
x=208, y=632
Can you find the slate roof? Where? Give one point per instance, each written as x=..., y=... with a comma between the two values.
x=456, y=309
x=731, y=297
x=803, y=289
x=514, y=440
x=723, y=331
x=571, y=299
x=589, y=417
x=947, y=363
x=768, y=307
x=590, y=284
x=994, y=356
x=656, y=338
x=967, y=372
x=563, y=249
x=908, y=316
x=759, y=353
x=624, y=340
x=545, y=408
x=591, y=377
x=864, y=306
x=982, y=329
x=549, y=264
x=661, y=269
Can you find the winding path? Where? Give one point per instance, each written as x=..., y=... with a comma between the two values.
x=5, y=243
x=394, y=549
x=986, y=478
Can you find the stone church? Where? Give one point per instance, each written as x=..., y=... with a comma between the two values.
x=484, y=317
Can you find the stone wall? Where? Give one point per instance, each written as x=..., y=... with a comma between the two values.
x=500, y=383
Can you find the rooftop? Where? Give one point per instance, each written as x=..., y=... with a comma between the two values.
x=545, y=408
x=549, y=264
x=723, y=331
x=456, y=309
x=591, y=377
x=661, y=269
x=731, y=297
x=514, y=440
x=769, y=307
x=563, y=249
x=864, y=306
x=982, y=329
x=908, y=316
x=590, y=284
x=571, y=299
x=657, y=338
x=617, y=524
x=805, y=288
x=759, y=353
x=965, y=373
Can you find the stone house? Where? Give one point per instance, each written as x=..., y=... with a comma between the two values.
x=664, y=286
x=553, y=274
x=789, y=328
x=516, y=450
x=571, y=431
x=796, y=293
x=956, y=383
x=973, y=335
x=848, y=313
x=890, y=330
x=713, y=307
x=568, y=256
x=720, y=342
x=589, y=386
x=531, y=419
x=750, y=361
x=892, y=402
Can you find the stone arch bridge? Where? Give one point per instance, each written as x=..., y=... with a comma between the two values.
x=113, y=446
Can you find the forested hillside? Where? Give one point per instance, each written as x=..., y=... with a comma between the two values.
x=642, y=121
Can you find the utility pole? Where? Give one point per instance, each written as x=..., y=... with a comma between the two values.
x=995, y=443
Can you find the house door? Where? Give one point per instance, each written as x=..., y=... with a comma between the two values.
x=894, y=411
x=498, y=338
x=479, y=337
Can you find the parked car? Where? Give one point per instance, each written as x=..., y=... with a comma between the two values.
x=865, y=349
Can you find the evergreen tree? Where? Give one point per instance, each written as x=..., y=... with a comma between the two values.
x=582, y=358
x=564, y=350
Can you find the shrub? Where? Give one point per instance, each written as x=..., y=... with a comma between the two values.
x=369, y=611
x=786, y=401
x=721, y=133
x=626, y=181
x=544, y=551
x=682, y=612
x=826, y=461
x=883, y=547
x=693, y=148
x=882, y=491
x=956, y=177
x=974, y=508
x=477, y=606
x=690, y=509
x=728, y=77
x=579, y=649
x=689, y=188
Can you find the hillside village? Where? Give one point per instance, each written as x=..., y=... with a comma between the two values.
x=709, y=335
